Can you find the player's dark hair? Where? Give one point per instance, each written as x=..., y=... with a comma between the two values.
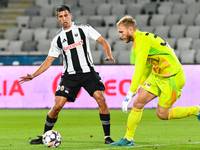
x=62, y=8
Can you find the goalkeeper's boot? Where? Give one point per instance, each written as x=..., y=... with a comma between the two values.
x=36, y=141
x=123, y=142
x=108, y=140
x=198, y=115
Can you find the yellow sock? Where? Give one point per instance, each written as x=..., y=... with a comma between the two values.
x=133, y=119
x=181, y=112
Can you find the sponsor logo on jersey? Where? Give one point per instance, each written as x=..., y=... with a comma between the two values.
x=73, y=45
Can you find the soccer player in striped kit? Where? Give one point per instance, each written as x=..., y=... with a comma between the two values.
x=79, y=71
x=159, y=74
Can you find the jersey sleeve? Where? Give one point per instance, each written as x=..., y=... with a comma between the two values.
x=54, y=50
x=142, y=50
x=93, y=34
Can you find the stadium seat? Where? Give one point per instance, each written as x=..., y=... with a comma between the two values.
x=84, y=2
x=187, y=19
x=99, y=1
x=97, y=57
x=50, y=22
x=184, y=43
x=83, y=19
x=89, y=9
x=172, y=19
x=197, y=20
x=188, y=56
x=29, y=46
x=143, y=2
x=4, y=44
x=178, y=53
x=40, y=33
x=165, y=8
x=119, y=45
x=195, y=44
x=52, y=32
x=104, y=9
x=115, y=2
x=15, y=46
x=26, y=35
x=119, y=10
x=193, y=32
x=172, y=42
x=71, y=3
x=12, y=33
x=124, y=58
x=193, y=8
x=177, y=31
x=157, y=20
x=47, y=10
x=113, y=33
x=150, y=8
x=129, y=46
x=103, y=31
x=147, y=28
x=197, y=56
x=56, y=3
x=42, y=3
x=142, y=20
x=43, y=46
x=134, y=9
x=110, y=20
x=128, y=2
x=76, y=11
x=95, y=21
x=32, y=10
x=36, y=21
x=23, y=21
x=162, y=31
x=179, y=8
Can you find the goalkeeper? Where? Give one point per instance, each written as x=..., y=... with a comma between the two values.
x=159, y=74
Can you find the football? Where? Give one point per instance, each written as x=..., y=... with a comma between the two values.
x=51, y=138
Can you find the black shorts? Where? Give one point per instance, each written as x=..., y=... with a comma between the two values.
x=70, y=85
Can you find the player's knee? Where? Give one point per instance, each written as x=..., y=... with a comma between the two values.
x=162, y=116
x=56, y=109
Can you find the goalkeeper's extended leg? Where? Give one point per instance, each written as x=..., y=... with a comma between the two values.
x=181, y=112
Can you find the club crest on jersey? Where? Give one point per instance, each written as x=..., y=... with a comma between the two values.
x=73, y=45
x=76, y=34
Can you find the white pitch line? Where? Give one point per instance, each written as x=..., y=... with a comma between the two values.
x=127, y=147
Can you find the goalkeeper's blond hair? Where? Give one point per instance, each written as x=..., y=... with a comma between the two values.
x=127, y=21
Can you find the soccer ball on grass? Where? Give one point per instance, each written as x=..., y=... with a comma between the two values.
x=51, y=138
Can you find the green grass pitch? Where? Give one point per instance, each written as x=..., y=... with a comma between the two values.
x=81, y=130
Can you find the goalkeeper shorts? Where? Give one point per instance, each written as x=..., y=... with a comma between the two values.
x=168, y=89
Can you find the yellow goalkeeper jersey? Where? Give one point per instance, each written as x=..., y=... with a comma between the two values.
x=152, y=55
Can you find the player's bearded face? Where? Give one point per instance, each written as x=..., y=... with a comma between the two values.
x=124, y=34
x=64, y=17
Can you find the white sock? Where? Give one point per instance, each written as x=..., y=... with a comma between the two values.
x=106, y=137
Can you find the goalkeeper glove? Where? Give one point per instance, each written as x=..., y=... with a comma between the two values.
x=129, y=97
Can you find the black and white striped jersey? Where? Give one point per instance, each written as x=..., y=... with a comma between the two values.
x=74, y=44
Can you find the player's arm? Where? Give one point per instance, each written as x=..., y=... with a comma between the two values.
x=106, y=47
x=44, y=66
x=142, y=51
x=147, y=72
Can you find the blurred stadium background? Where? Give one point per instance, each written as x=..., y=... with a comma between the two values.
x=27, y=27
